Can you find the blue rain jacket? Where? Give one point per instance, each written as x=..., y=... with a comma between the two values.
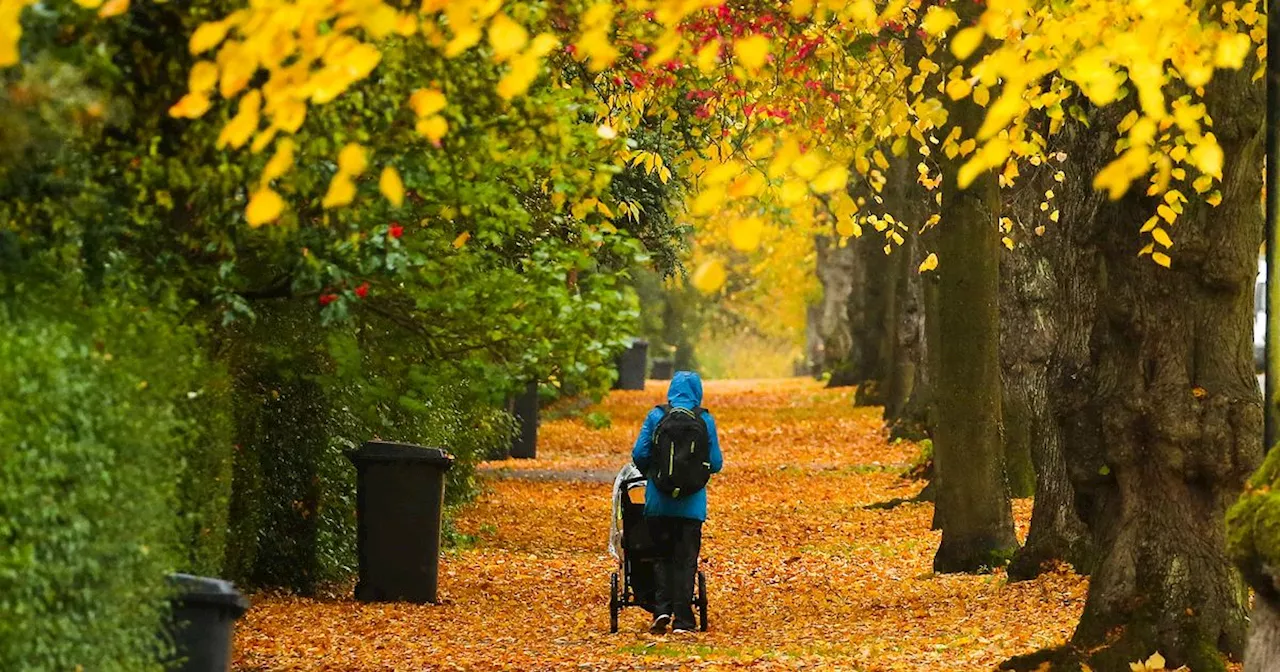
x=685, y=392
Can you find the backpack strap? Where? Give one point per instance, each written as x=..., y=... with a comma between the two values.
x=666, y=410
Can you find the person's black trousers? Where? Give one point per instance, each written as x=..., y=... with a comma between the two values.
x=678, y=541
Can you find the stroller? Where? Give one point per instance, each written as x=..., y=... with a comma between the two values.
x=634, y=585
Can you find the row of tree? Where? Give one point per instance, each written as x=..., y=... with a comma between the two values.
x=1128, y=386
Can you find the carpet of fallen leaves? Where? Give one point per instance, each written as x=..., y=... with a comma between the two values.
x=800, y=574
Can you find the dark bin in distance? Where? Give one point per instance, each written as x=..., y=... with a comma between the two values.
x=399, y=502
x=663, y=368
x=525, y=408
x=203, y=620
x=631, y=366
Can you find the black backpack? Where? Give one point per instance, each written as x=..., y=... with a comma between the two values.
x=680, y=462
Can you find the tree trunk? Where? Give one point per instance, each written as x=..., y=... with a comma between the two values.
x=914, y=421
x=1057, y=295
x=1025, y=342
x=903, y=320
x=869, y=318
x=836, y=272
x=1263, y=653
x=906, y=335
x=977, y=523
x=1175, y=413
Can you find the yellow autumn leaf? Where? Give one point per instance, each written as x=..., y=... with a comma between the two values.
x=939, y=20
x=280, y=162
x=1161, y=258
x=982, y=95
x=1147, y=249
x=115, y=8
x=1166, y=213
x=203, y=77
x=966, y=42
x=1007, y=241
x=352, y=159
x=341, y=191
x=391, y=186
x=506, y=37
x=1161, y=237
x=1149, y=224
x=710, y=276
x=463, y=39
x=289, y=115
x=192, y=106
x=461, y=239
x=380, y=21
x=831, y=179
x=524, y=69
x=708, y=56
x=426, y=102
x=745, y=234
x=930, y=262
x=208, y=36
x=1207, y=156
x=543, y=44
x=1214, y=199
x=752, y=52
x=807, y=166
x=958, y=88
x=243, y=125
x=264, y=206
x=433, y=128
x=1231, y=51
x=1156, y=661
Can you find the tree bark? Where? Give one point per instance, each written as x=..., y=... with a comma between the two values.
x=869, y=317
x=1165, y=421
x=1046, y=313
x=1025, y=342
x=904, y=323
x=977, y=524
x=1263, y=652
x=837, y=273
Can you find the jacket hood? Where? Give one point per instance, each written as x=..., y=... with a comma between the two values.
x=685, y=390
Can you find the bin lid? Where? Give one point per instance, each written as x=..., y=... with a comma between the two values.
x=390, y=451
x=206, y=590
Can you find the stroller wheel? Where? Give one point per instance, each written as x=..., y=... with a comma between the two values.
x=614, y=602
x=702, y=601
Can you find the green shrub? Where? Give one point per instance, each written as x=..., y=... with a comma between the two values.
x=91, y=451
x=306, y=395
x=597, y=420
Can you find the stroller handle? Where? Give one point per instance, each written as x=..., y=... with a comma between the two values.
x=626, y=484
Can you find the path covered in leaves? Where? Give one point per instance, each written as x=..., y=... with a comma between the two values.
x=800, y=573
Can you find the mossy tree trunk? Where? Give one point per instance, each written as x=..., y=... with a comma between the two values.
x=1058, y=295
x=1025, y=342
x=1166, y=421
x=977, y=522
x=1176, y=409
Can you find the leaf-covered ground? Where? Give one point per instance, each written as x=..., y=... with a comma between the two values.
x=800, y=573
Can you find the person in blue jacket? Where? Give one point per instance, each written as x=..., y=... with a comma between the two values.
x=675, y=524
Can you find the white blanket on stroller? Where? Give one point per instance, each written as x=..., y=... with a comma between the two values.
x=615, y=523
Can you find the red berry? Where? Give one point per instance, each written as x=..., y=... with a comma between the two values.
x=326, y=299
x=363, y=290
x=395, y=230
